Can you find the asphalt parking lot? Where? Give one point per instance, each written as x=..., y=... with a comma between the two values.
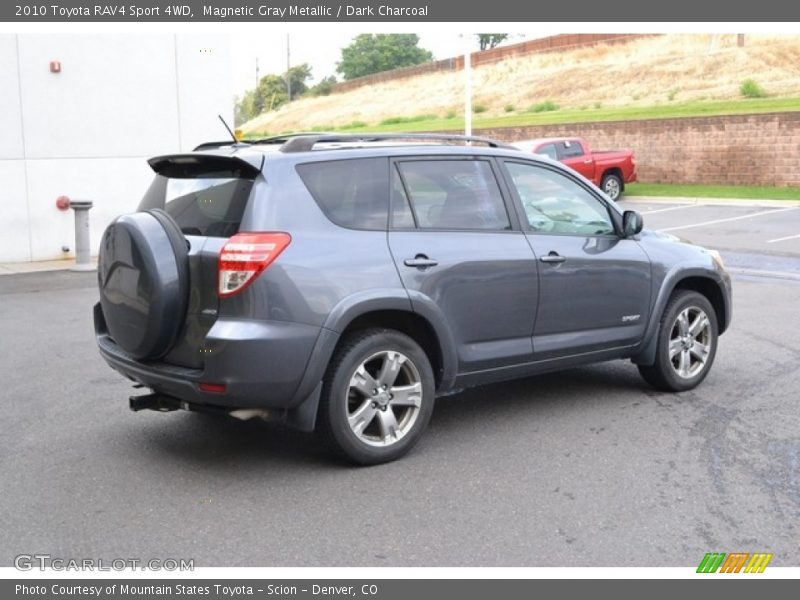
x=584, y=468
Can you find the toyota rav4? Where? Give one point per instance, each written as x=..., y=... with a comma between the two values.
x=340, y=283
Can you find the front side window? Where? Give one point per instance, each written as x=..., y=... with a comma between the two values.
x=554, y=203
x=454, y=194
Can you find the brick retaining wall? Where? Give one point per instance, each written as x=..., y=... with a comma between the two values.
x=761, y=149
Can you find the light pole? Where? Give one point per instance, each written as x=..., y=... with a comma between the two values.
x=288, y=75
x=467, y=85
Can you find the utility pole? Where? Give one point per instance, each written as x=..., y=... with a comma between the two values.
x=467, y=85
x=256, y=72
x=288, y=76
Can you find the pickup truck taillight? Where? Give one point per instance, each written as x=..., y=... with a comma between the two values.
x=246, y=255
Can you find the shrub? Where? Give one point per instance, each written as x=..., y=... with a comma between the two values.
x=414, y=119
x=598, y=105
x=545, y=106
x=479, y=108
x=354, y=125
x=509, y=108
x=450, y=114
x=672, y=94
x=751, y=89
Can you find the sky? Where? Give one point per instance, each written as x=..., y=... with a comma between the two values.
x=321, y=52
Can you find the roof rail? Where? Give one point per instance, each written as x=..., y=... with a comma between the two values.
x=306, y=142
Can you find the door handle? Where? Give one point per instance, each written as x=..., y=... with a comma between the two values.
x=588, y=161
x=553, y=257
x=420, y=261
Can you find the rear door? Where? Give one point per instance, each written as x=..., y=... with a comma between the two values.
x=574, y=155
x=460, y=253
x=594, y=286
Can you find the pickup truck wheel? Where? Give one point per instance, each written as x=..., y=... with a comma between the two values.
x=687, y=343
x=612, y=186
x=377, y=396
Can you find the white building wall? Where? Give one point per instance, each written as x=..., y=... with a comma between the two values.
x=87, y=131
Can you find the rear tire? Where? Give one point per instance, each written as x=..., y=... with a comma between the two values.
x=686, y=345
x=377, y=396
x=612, y=186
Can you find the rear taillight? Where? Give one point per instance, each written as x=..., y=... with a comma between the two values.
x=244, y=256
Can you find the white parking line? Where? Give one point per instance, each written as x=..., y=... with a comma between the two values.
x=658, y=210
x=740, y=217
x=788, y=237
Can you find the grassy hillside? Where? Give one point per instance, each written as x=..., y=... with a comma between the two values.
x=665, y=76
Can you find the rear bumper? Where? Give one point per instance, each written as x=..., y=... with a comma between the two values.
x=260, y=363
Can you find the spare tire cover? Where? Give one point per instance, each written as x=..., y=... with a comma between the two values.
x=143, y=275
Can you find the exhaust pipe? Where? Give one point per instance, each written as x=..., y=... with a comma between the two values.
x=164, y=403
x=245, y=414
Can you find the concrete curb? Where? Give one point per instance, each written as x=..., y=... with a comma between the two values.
x=710, y=201
x=39, y=266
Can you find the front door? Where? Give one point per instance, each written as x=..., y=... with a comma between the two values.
x=594, y=289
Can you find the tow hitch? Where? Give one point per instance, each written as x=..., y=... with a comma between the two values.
x=164, y=403
x=158, y=402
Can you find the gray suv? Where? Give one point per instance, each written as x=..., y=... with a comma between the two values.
x=341, y=283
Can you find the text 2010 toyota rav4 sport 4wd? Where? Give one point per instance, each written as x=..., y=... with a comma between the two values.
x=342, y=283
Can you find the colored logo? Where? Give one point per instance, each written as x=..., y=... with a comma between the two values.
x=736, y=562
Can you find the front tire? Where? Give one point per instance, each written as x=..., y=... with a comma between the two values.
x=612, y=186
x=377, y=396
x=686, y=345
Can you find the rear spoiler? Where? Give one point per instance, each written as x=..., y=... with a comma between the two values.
x=190, y=166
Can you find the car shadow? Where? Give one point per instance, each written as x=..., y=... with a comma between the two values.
x=218, y=442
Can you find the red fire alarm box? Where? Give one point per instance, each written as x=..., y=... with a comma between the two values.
x=55, y=66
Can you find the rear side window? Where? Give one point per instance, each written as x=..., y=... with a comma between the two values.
x=352, y=193
x=208, y=206
x=570, y=149
x=454, y=194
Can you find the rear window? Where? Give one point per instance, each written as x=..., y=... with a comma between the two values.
x=353, y=193
x=208, y=206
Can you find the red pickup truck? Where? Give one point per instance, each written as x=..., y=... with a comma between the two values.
x=610, y=170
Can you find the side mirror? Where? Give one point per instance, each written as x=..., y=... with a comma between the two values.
x=632, y=223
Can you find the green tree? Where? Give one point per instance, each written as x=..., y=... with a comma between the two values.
x=272, y=90
x=244, y=108
x=323, y=87
x=270, y=93
x=298, y=75
x=490, y=40
x=374, y=53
